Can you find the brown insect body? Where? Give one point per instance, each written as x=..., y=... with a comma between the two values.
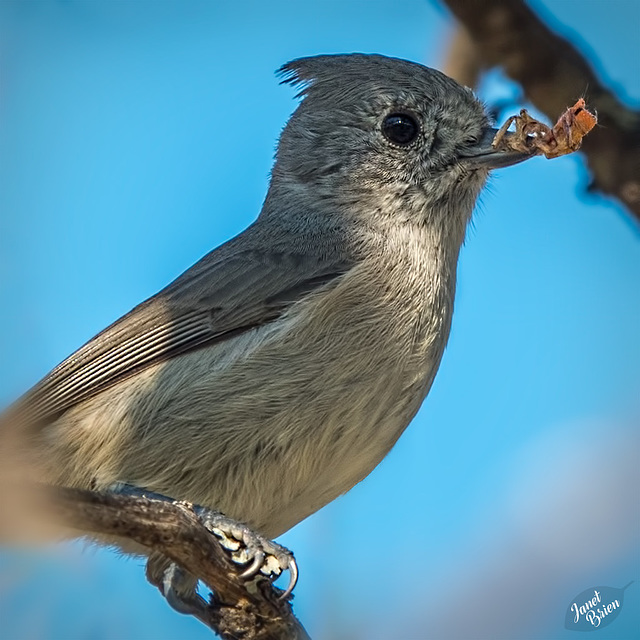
x=532, y=135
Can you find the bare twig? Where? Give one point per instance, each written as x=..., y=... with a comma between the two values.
x=553, y=75
x=239, y=609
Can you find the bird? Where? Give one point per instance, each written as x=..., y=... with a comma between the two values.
x=280, y=369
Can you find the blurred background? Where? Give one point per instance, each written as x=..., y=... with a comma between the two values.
x=137, y=136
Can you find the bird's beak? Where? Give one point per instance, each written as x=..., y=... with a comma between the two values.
x=483, y=155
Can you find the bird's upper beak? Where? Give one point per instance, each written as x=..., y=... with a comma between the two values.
x=484, y=155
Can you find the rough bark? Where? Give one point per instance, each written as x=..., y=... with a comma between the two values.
x=250, y=610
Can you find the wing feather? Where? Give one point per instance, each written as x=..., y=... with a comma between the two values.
x=231, y=290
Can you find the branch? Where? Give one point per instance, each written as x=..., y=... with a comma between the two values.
x=462, y=61
x=553, y=75
x=243, y=609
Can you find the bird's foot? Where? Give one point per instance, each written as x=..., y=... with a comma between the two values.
x=246, y=547
x=178, y=587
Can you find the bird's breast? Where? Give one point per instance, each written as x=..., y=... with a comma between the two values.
x=342, y=382
x=274, y=423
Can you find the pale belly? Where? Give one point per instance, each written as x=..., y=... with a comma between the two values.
x=267, y=427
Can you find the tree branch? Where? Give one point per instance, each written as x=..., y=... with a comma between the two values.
x=243, y=609
x=553, y=75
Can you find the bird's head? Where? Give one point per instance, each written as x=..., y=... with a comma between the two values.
x=387, y=137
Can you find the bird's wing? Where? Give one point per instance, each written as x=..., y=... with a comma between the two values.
x=231, y=290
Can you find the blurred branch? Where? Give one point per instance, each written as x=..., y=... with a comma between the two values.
x=239, y=609
x=553, y=75
x=462, y=61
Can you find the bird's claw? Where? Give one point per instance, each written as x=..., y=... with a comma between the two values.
x=178, y=588
x=248, y=547
x=245, y=546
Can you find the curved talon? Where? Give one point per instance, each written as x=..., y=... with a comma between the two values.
x=255, y=566
x=293, y=579
x=256, y=547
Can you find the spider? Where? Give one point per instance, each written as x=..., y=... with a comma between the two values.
x=531, y=134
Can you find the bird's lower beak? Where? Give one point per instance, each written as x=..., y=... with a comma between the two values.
x=486, y=156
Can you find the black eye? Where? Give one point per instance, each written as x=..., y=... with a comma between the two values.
x=400, y=128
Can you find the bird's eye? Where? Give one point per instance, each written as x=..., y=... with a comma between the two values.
x=400, y=128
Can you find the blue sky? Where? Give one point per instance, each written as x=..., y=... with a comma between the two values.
x=136, y=136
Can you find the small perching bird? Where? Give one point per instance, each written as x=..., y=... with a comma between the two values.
x=280, y=369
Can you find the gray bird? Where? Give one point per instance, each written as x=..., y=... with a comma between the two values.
x=281, y=368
